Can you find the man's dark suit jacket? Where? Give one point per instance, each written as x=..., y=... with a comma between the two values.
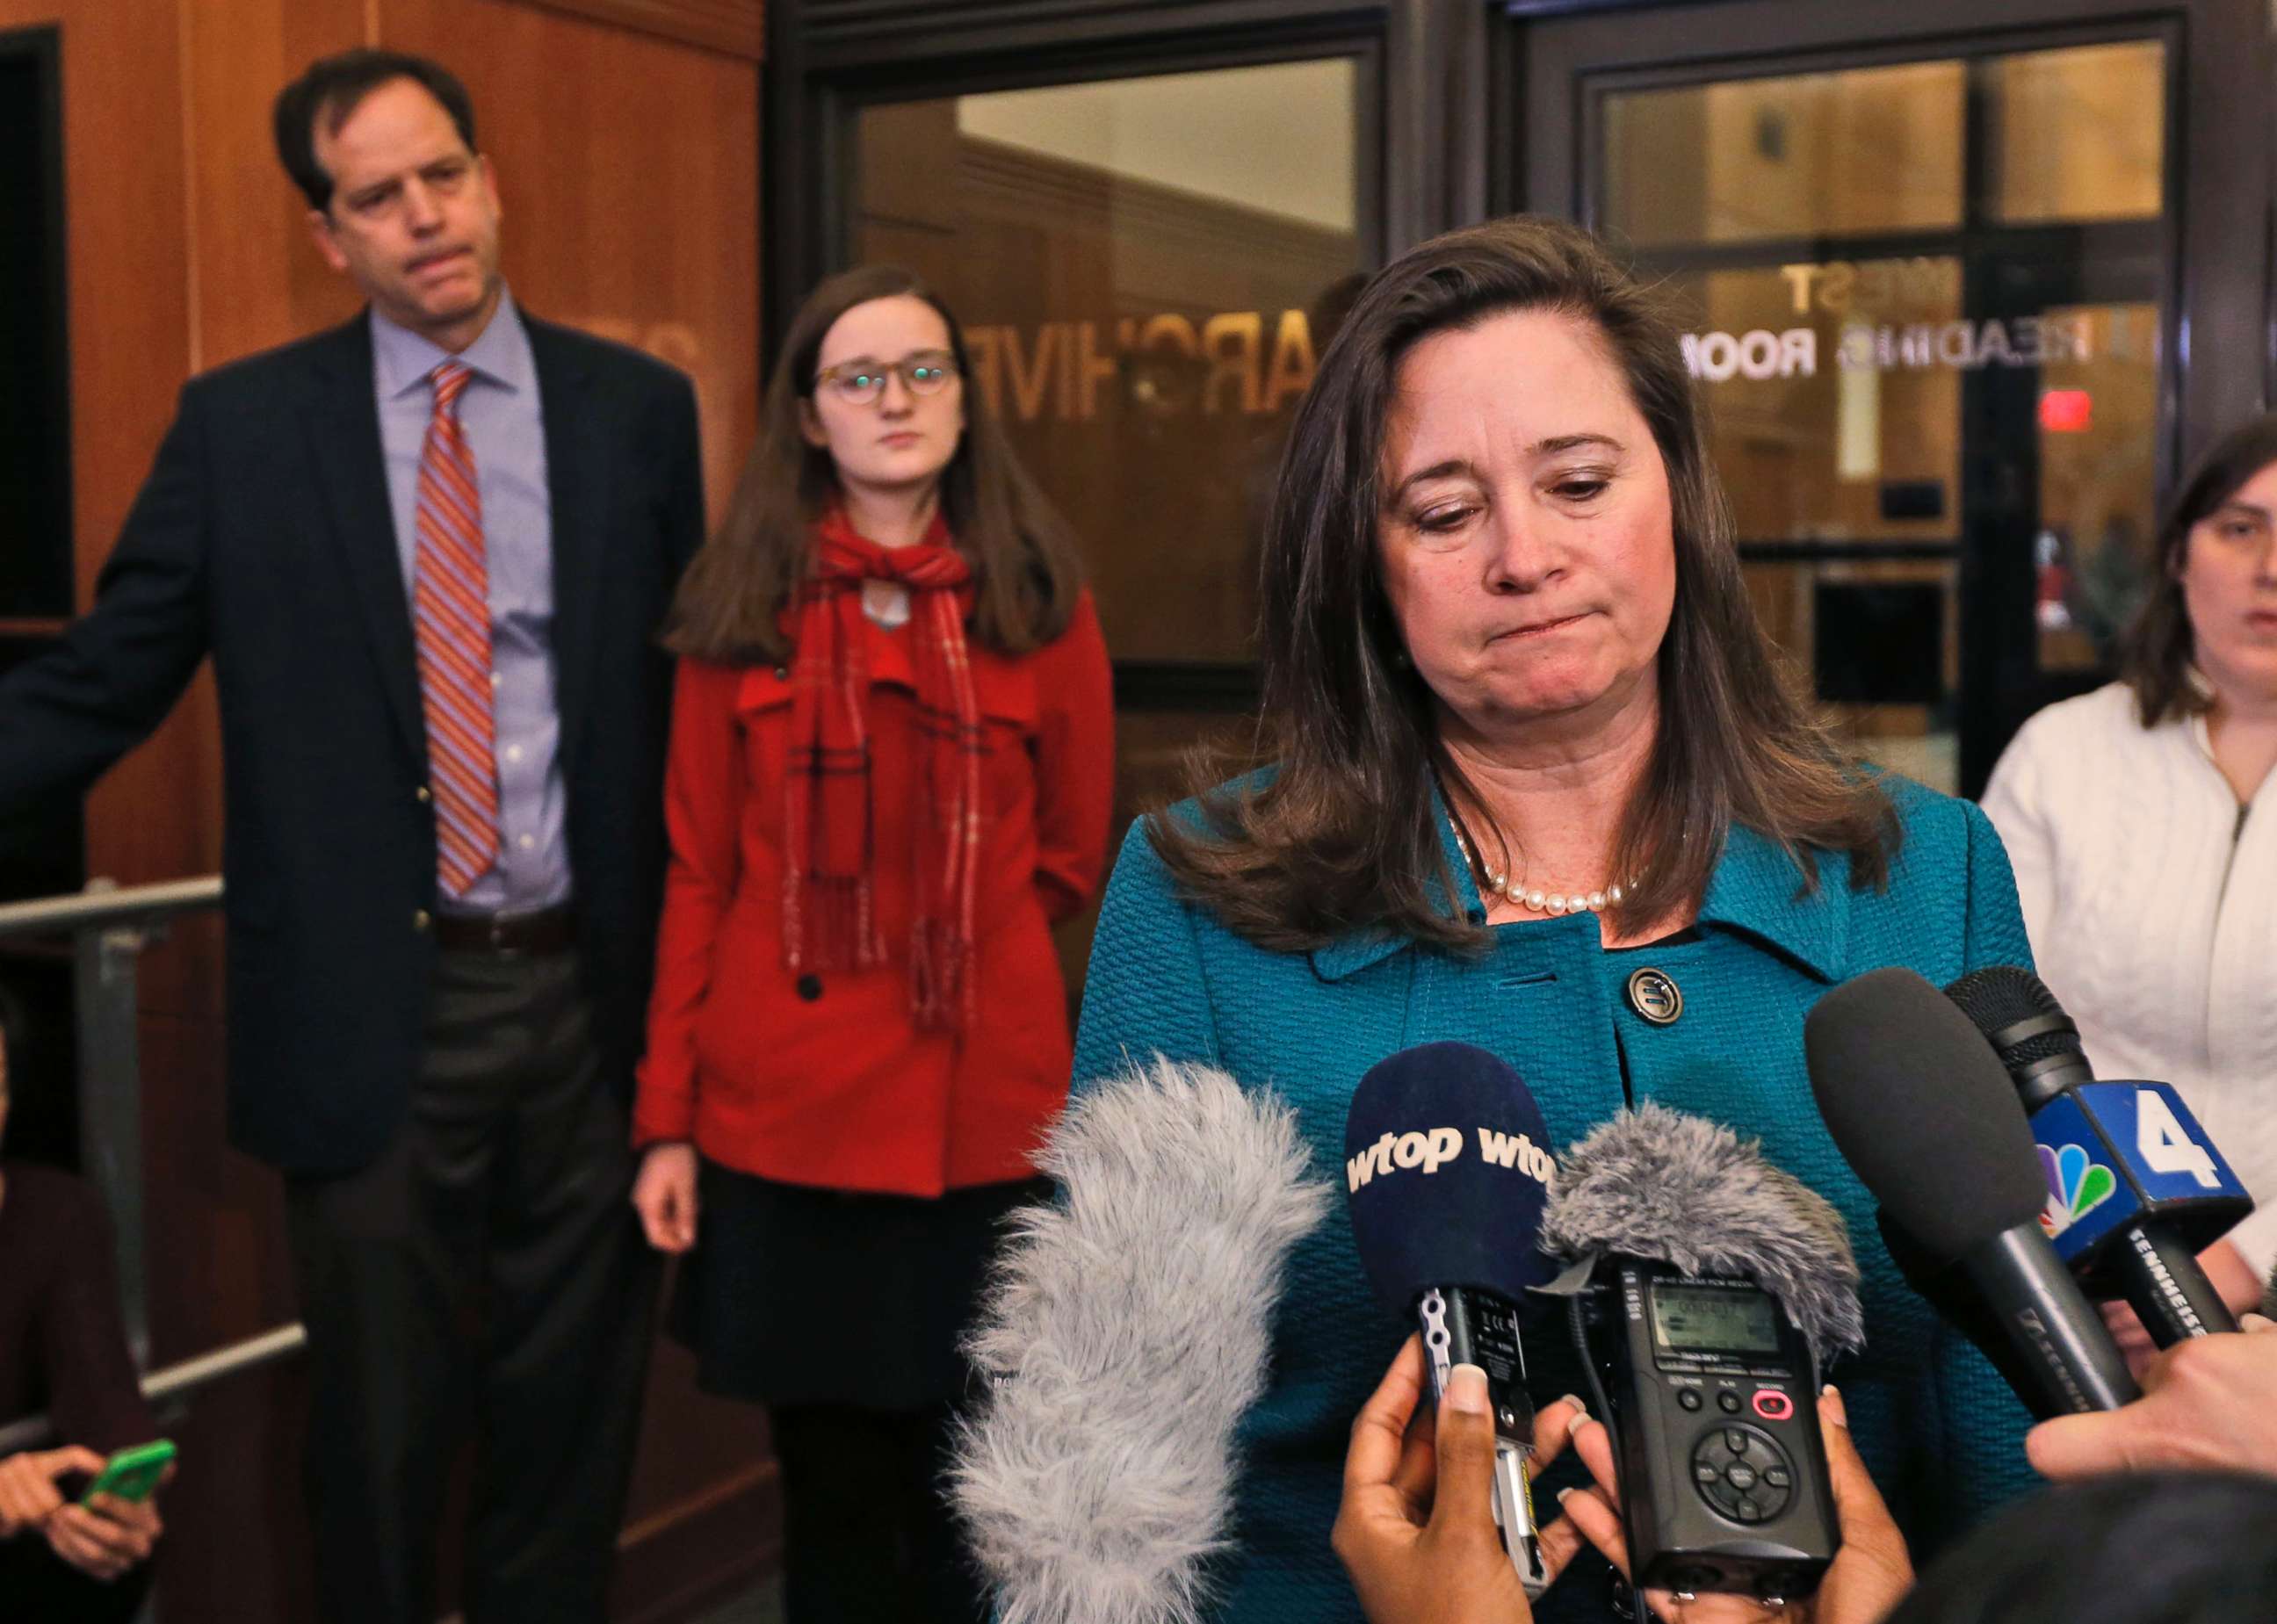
x=264, y=537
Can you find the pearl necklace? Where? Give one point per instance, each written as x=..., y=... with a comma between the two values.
x=1537, y=900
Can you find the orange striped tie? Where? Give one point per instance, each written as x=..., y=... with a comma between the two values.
x=451, y=616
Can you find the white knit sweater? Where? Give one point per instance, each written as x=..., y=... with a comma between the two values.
x=2152, y=911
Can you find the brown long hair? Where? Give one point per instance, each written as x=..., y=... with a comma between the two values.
x=2160, y=643
x=1342, y=837
x=1022, y=558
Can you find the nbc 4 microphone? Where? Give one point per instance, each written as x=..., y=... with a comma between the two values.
x=2134, y=1188
x=1920, y=1108
x=1720, y=1284
x=1446, y=1172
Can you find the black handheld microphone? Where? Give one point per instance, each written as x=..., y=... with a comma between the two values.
x=1920, y=1107
x=2135, y=1189
x=1728, y=1282
x=1446, y=1171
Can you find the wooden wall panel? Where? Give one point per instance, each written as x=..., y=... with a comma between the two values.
x=127, y=257
x=259, y=282
x=736, y=26
x=631, y=203
x=629, y=163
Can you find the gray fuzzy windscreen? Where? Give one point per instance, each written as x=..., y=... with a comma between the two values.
x=1658, y=1184
x=1125, y=1331
x=2269, y=1296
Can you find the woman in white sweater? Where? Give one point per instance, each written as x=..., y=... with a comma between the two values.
x=2143, y=825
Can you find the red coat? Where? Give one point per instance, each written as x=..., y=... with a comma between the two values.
x=826, y=1080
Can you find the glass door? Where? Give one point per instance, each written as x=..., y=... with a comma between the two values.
x=1148, y=264
x=1930, y=290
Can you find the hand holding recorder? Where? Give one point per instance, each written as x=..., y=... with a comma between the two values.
x=1416, y=1527
x=1871, y=1571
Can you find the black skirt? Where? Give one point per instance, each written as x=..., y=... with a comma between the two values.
x=795, y=1295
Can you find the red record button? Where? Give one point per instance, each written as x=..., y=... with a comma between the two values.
x=1773, y=1405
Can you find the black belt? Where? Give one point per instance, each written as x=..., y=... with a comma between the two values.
x=550, y=930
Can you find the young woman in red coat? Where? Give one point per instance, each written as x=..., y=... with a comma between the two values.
x=892, y=759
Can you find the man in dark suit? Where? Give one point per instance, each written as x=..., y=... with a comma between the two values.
x=428, y=552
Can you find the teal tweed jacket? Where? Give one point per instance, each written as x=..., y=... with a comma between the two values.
x=1941, y=1431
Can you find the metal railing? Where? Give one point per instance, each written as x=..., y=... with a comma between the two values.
x=109, y=927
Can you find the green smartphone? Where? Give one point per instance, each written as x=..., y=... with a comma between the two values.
x=132, y=1473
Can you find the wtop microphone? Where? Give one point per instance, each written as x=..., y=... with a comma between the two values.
x=1446, y=1172
x=2134, y=1188
x=1918, y=1103
x=1724, y=1283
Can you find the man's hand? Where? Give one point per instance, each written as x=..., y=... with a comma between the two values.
x=1416, y=1530
x=2226, y=1271
x=105, y=1539
x=665, y=1194
x=1868, y=1576
x=28, y=1495
x=2207, y=1402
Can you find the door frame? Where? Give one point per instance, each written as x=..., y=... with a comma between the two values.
x=2220, y=135
x=1554, y=63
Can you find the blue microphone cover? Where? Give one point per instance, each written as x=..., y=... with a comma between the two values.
x=1446, y=1169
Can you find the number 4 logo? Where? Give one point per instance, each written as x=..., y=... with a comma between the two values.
x=2164, y=1146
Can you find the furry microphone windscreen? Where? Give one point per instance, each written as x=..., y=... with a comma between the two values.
x=2269, y=1296
x=1658, y=1184
x=1125, y=1331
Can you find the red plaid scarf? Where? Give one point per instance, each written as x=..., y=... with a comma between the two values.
x=830, y=919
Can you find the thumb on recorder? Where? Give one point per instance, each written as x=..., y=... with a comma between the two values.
x=1415, y=1528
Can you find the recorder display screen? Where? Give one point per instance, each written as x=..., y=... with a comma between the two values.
x=1694, y=1319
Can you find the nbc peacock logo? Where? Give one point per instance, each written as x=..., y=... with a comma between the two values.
x=2076, y=1187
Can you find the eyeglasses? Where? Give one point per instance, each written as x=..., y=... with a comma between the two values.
x=861, y=381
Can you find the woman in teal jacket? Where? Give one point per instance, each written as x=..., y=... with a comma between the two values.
x=1538, y=787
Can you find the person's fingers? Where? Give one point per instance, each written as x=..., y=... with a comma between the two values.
x=2079, y=1446
x=676, y=1230
x=1560, y=1543
x=29, y=1490
x=1380, y=1429
x=1860, y=1511
x=1418, y=1469
x=1553, y=1429
x=1858, y=1504
x=2127, y=1332
x=1593, y=1516
x=18, y=1506
x=135, y=1522
x=71, y=1534
x=652, y=1217
x=70, y=1458
x=105, y=1529
x=1462, y=1506
x=1417, y=1473
x=1373, y=1516
x=685, y=1212
x=1594, y=1446
x=2256, y=1322
x=660, y=1216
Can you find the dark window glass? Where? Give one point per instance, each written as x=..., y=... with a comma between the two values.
x=1147, y=269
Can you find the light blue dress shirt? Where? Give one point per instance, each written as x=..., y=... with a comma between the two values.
x=504, y=421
